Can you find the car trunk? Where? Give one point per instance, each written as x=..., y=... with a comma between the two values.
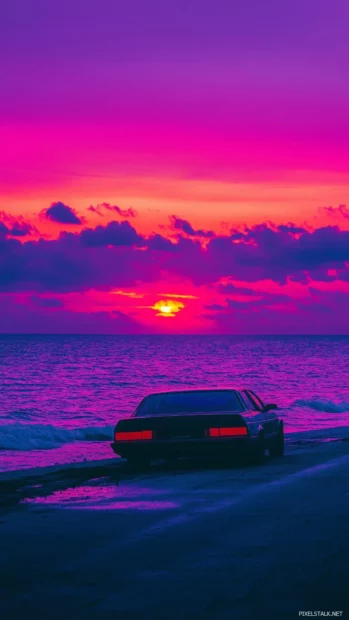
x=177, y=427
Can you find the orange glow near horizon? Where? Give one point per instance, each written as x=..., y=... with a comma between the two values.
x=131, y=294
x=168, y=308
x=177, y=296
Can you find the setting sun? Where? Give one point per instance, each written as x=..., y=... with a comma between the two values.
x=165, y=309
x=168, y=308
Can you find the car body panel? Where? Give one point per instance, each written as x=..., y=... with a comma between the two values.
x=187, y=433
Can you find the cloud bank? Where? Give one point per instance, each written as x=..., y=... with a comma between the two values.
x=117, y=257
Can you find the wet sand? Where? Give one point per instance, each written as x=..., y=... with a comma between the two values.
x=195, y=541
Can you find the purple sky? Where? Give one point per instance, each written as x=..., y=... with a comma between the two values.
x=195, y=131
x=75, y=53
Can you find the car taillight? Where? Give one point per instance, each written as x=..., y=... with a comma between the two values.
x=133, y=435
x=227, y=431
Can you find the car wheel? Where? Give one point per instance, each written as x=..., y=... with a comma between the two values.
x=277, y=447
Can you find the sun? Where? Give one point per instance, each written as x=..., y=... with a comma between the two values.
x=168, y=308
x=165, y=309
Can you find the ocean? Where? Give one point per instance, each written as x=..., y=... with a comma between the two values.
x=60, y=396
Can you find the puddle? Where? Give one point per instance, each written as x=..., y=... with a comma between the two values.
x=106, y=497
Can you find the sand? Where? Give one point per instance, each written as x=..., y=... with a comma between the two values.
x=198, y=541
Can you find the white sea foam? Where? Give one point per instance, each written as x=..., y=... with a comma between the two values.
x=326, y=406
x=22, y=436
x=47, y=436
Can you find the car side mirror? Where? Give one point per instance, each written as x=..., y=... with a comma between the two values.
x=270, y=407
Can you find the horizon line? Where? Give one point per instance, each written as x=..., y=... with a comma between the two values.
x=295, y=335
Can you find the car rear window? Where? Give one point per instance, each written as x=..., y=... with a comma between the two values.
x=189, y=402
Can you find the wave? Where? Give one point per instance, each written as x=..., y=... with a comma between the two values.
x=26, y=437
x=326, y=406
x=47, y=436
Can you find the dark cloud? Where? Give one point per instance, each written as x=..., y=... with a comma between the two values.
x=184, y=226
x=130, y=212
x=341, y=211
x=101, y=258
x=232, y=289
x=117, y=255
x=291, y=228
x=114, y=233
x=319, y=313
x=62, y=214
x=216, y=307
x=265, y=252
x=47, y=302
x=27, y=317
x=263, y=300
x=158, y=242
x=15, y=226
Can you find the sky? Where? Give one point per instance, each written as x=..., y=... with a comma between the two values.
x=174, y=167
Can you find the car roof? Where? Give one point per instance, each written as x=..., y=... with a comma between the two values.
x=224, y=388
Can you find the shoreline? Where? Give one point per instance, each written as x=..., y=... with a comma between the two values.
x=292, y=439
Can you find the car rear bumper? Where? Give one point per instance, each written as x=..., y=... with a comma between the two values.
x=189, y=447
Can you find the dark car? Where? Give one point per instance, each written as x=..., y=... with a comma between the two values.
x=216, y=422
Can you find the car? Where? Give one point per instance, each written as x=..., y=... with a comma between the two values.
x=214, y=422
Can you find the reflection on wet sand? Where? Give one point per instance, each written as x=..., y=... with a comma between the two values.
x=106, y=497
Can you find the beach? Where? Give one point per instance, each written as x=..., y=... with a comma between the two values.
x=195, y=540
